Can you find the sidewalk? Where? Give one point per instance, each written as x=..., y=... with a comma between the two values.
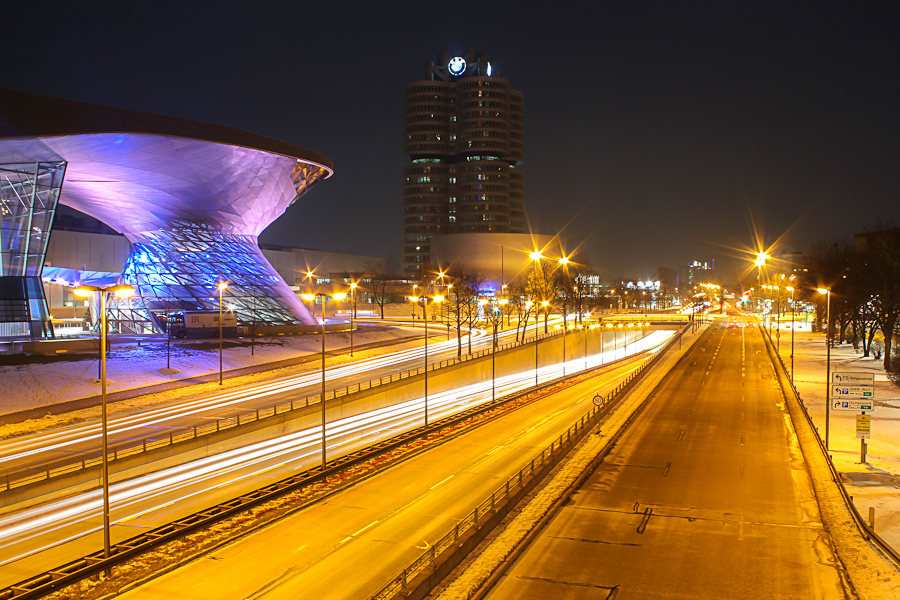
x=877, y=483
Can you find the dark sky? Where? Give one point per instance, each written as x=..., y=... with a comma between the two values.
x=655, y=132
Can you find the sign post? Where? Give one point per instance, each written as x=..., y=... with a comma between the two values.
x=849, y=391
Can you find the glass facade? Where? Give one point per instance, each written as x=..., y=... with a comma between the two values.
x=180, y=268
x=29, y=194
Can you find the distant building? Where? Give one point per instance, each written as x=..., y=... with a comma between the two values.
x=463, y=134
x=83, y=251
x=694, y=273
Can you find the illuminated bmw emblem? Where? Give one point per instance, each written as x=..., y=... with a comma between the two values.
x=457, y=65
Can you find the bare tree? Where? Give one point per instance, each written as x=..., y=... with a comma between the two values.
x=381, y=280
x=879, y=259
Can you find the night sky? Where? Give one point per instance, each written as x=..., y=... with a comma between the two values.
x=654, y=132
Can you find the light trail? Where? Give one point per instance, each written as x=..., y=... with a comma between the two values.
x=16, y=450
x=298, y=450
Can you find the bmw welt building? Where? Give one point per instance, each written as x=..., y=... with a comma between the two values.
x=190, y=197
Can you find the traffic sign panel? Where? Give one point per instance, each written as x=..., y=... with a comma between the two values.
x=852, y=378
x=852, y=405
x=862, y=392
x=863, y=426
x=598, y=400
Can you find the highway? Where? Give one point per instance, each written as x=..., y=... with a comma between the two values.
x=67, y=444
x=40, y=538
x=705, y=496
x=353, y=543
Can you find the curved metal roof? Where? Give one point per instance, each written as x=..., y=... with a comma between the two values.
x=27, y=115
x=140, y=173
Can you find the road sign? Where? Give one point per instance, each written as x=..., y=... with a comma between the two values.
x=852, y=405
x=847, y=392
x=863, y=423
x=849, y=378
x=598, y=400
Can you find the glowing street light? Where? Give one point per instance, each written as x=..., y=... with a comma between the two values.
x=121, y=291
x=793, y=327
x=353, y=287
x=436, y=299
x=221, y=286
x=337, y=297
x=827, y=292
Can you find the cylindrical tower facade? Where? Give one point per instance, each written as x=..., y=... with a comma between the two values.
x=464, y=135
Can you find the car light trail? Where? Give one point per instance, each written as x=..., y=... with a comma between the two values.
x=296, y=450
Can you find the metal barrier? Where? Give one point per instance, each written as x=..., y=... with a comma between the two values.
x=867, y=532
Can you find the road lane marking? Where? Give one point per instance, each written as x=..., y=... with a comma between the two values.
x=442, y=481
x=353, y=535
x=494, y=450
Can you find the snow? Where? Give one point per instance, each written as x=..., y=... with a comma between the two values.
x=876, y=483
x=32, y=382
x=873, y=575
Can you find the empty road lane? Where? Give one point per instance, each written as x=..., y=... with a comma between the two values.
x=706, y=496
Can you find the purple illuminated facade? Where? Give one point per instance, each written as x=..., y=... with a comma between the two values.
x=191, y=198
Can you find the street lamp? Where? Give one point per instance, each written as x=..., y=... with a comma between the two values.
x=352, y=314
x=121, y=291
x=338, y=297
x=496, y=320
x=221, y=286
x=827, y=292
x=793, y=327
x=435, y=300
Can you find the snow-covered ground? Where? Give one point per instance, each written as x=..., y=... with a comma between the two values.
x=31, y=382
x=876, y=483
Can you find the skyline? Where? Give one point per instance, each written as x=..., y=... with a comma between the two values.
x=663, y=131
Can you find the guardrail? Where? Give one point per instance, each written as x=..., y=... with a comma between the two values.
x=523, y=481
x=67, y=466
x=867, y=532
x=91, y=564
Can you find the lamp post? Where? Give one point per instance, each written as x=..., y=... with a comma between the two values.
x=338, y=297
x=496, y=320
x=827, y=292
x=435, y=300
x=121, y=291
x=544, y=304
x=221, y=287
x=760, y=262
x=352, y=314
x=793, y=326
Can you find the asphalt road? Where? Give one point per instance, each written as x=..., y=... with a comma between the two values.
x=715, y=458
x=45, y=536
x=353, y=543
x=23, y=455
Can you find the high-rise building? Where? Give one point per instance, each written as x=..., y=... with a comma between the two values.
x=463, y=134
